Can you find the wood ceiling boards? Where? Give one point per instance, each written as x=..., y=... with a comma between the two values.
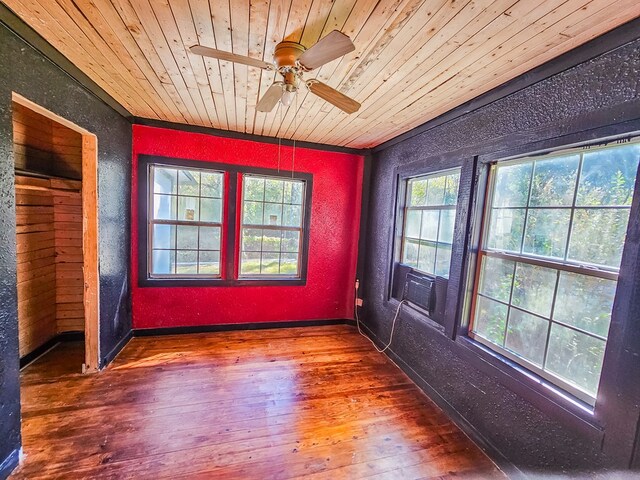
x=414, y=59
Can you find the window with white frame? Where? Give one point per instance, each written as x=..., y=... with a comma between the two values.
x=185, y=222
x=272, y=222
x=429, y=219
x=554, y=231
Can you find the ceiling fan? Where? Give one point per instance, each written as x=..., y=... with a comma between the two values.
x=291, y=60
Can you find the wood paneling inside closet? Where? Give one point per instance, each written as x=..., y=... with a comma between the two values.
x=48, y=228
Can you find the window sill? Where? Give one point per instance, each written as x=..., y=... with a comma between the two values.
x=220, y=282
x=542, y=394
x=415, y=314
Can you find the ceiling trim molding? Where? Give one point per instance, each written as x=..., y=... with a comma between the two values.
x=32, y=38
x=611, y=40
x=149, y=122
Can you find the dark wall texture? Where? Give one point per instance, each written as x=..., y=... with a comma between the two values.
x=595, y=99
x=25, y=71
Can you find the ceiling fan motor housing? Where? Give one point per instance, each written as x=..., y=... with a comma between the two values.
x=286, y=55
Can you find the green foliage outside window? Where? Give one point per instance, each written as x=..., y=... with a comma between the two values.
x=546, y=215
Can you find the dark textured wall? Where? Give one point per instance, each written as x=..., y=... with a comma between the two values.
x=598, y=98
x=25, y=71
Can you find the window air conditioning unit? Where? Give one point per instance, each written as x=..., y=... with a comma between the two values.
x=419, y=289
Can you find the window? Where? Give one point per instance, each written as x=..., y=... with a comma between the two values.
x=185, y=227
x=429, y=219
x=213, y=224
x=271, y=230
x=554, y=230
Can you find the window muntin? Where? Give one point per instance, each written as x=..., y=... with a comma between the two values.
x=429, y=219
x=549, y=261
x=271, y=232
x=185, y=222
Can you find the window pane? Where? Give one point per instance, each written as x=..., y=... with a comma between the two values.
x=527, y=335
x=253, y=188
x=427, y=258
x=271, y=240
x=165, y=180
x=447, y=222
x=435, y=190
x=512, y=185
x=296, y=193
x=430, y=220
x=209, y=263
x=412, y=223
x=211, y=184
x=163, y=262
x=554, y=181
x=546, y=232
x=410, y=253
x=291, y=241
x=272, y=214
x=598, y=235
x=273, y=190
x=189, y=182
x=443, y=260
x=490, y=320
x=211, y=210
x=608, y=176
x=187, y=237
x=451, y=192
x=505, y=230
x=251, y=239
x=210, y=238
x=164, y=207
x=270, y=263
x=164, y=236
x=250, y=263
x=417, y=193
x=188, y=208
x=187, y=262
x=496, y=278
x=289, y=263
x=533, y=288
x=585, y=302
x=252, y=213
x=292, y=215
x=575, y=357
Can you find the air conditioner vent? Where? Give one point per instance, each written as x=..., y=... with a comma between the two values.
x=419, y=290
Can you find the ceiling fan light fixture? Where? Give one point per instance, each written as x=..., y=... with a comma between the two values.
x=287, y=97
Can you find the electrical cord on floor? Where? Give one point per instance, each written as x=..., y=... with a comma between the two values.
x=393, y=324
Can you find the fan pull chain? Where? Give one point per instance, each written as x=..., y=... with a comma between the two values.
x=295, y=127
x=279, y=138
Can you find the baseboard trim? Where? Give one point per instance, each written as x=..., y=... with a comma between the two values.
x=109, y=357
x=9, y=463
x=228, y=327
x=48, y=345
x=494, y=453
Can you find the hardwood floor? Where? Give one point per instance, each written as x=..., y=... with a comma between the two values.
x=314, y=402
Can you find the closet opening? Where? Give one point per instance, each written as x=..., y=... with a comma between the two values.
x=56, y=240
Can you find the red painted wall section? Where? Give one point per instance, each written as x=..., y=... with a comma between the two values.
x=333, y=241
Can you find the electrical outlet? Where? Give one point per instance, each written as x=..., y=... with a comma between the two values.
x=359, y=302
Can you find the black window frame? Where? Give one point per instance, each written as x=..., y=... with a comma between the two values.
x=231, y=205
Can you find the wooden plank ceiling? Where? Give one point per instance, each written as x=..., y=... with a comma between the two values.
x=414, y=59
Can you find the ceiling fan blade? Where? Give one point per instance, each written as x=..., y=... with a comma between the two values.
x=230, y=57
x=271, y=97
x=332, y=46
x=333, y=96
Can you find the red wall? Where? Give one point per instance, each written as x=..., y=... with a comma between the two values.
x=333, y=242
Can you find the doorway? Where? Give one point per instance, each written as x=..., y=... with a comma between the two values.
x=56, y=233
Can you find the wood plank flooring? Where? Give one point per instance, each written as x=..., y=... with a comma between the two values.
x=314, y=402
